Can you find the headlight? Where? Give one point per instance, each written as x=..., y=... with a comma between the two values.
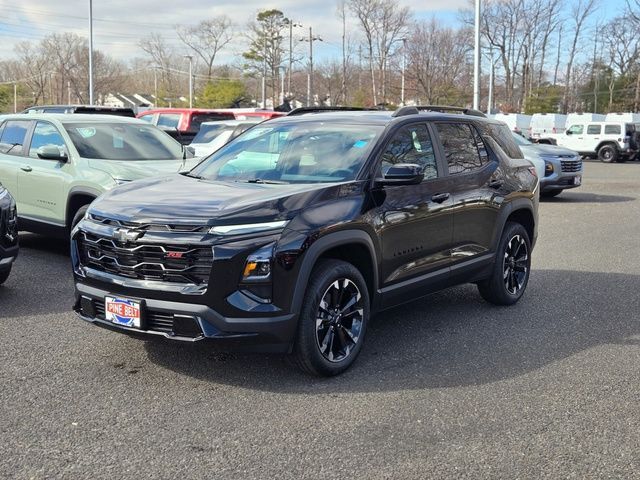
x=248, y=228
x=257, y=268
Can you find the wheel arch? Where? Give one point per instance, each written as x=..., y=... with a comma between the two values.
x=78, y=198
x=353, y=246
x=520, y=211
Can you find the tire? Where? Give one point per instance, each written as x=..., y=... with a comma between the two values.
x=608, y=153
x=321, y=330
x=79, y=216
x=550, y=193
x=499, y=288
x=4, y=275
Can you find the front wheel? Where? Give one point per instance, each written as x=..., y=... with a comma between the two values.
x=510, y=274
x=333, y=320
x=4, y=275
x=608, y=154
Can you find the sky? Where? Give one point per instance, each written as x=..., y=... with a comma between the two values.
x=119, y=24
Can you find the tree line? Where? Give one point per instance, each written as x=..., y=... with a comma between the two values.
x=546, y=55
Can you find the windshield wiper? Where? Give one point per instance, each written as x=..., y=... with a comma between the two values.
x=188, y=174
x=268, y=182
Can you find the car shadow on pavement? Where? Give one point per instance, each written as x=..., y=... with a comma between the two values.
x=41, y=283
x=448, y=339
x=581, y=197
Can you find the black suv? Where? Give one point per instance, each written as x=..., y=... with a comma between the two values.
x=293, y=235
x=8, y=233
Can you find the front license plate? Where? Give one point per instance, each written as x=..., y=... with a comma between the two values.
x=122, y=311
x=577, y=180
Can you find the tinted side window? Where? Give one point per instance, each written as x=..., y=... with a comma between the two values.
x=460, y=147
x=576, y=129
x=147, y=118
x=612, y=130
x=13, y=137
x=198, y=118
x=504, y=138
x=412, y=144
x=594, y=129
x=45, y=134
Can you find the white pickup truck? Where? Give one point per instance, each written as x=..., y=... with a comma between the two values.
x=610, y=141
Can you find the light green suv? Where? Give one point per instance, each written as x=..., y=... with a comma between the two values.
x=56, y=165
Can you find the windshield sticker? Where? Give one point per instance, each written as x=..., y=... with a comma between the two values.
x=360, y=144
x=118, y=141
x=86, y=132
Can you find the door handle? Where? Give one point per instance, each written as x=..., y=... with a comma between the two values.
x=26, y=168
x=496, y=183
x=440, y=197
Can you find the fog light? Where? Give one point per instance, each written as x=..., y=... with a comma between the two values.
x=548, y=169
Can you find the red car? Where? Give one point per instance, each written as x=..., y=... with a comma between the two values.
x=183, y=123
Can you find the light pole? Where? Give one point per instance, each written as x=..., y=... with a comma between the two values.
x=491, y=77
x=190, y=57
x=476, y=59
x=283, y=69
x=291, y=25
x=404, y=66
x=311, y=39
x=264, y=72
x=15, y=98
x=90, y=52
x=155, y=85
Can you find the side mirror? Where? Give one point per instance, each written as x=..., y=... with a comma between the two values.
x=190, y=150
x=51, y=152
x=569, y=132
x=402, y=174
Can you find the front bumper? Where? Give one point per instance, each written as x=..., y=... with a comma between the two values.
x=193, y=323
x=561, y=179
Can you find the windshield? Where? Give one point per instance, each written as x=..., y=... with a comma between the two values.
x=123, y=141
x=298, y=153
x=520, y=140
x=210, y=131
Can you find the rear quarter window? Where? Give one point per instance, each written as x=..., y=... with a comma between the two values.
x=504, y=138
x=612, y=130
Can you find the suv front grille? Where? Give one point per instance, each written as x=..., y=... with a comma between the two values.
x=569, y=166
x=166, y=263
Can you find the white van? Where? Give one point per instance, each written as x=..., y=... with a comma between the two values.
x=624, y=117
x=543, y=124
x=517, y=122
x=582, y=118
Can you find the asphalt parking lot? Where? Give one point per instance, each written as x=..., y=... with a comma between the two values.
x=447, y=386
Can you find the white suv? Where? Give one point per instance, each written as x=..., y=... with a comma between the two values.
x=609, y=141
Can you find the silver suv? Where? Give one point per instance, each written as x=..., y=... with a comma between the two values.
x=562, y=167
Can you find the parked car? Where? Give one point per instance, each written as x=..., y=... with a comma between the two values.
x=182, y=123
x=8, y=233
x=558, y=168
x=292, y=235
x=213, y=135
x=56, y=165
x=251, y=113
x=608, y=141
x=95, y=109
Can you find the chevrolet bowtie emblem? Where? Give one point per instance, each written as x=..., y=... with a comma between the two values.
x=125, y=235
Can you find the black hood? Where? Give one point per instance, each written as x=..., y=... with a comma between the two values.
x=181, y=199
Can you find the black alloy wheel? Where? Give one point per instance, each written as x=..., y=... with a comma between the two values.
x=339, y=320
x=515, y=264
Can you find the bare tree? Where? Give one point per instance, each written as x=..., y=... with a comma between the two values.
x=580, y=12
x=207, y=39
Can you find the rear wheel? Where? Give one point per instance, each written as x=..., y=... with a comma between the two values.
x=333, y=320
x=608, y=153
x=510, y=274
x=550, y=193
x=4, y=275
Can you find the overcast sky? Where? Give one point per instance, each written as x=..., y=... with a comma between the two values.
x=119, y=24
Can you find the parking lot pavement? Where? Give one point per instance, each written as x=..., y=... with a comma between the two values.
x=446, y=386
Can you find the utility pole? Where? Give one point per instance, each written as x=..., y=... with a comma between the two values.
x=155, y=85
x=264, y=72
x=190, y=57
x=90, y=52
x=404, y=66
x=68, y=92
x=476, y=59
x=311, y=39
x=491, y=76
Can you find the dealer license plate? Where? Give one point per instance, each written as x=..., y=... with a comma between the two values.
x=122, y=311
x=577, y=180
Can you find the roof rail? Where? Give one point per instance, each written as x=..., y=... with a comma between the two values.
x=305, y=110
x=413, y=110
